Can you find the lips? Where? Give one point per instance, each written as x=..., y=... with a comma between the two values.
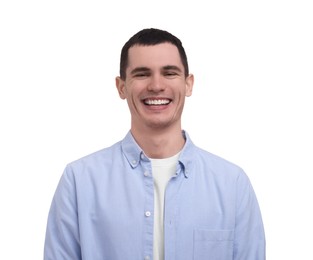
x=156, y=101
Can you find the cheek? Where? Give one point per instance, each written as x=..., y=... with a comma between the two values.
x=132, y=101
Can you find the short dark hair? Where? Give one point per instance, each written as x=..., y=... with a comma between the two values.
x=149, y=37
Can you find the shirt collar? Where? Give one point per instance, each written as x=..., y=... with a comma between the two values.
x=134, y=153
x=131, y=150
x=187, y=155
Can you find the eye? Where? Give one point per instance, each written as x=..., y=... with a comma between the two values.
x=141, y=75
x=170, y=74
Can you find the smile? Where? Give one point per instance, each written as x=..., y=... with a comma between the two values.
x=156, y=102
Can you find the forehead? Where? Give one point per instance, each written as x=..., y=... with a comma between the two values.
x=159, y=55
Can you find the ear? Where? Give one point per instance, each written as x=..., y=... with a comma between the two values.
x=189, y=85
x=120, y=86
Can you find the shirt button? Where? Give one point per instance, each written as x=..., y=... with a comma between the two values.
x=146, y=174
x=147, y=213
x=134, y=161
x=147, y=257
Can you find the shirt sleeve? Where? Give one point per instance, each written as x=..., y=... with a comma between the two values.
x=62, y=234
x=249, y=232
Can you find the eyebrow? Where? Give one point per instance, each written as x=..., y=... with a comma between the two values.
x=139, y=69
x=172, y=67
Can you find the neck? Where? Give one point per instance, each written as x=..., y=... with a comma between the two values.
x=159, y=143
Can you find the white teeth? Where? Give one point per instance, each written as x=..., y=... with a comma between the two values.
x=157, y=102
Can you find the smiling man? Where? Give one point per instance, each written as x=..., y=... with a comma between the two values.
x=155, y=86
x=154, y=194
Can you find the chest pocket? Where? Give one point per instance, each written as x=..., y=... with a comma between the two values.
x=213, y=244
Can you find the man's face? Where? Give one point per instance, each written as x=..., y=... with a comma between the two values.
x=155, y=86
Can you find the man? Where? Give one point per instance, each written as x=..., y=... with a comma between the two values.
x=154, y=195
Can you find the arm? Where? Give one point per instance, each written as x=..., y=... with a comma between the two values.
x=249, y=232
x=62, y=234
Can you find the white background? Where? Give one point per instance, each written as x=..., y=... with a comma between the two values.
x=252, y=102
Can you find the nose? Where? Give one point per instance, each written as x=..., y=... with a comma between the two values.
x=156, y=84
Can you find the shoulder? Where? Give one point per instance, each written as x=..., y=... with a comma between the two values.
x=96, y=160
x=216, y=160
x=215, y=165
x=207, y=163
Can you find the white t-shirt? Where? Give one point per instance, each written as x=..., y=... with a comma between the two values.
x=162, y=171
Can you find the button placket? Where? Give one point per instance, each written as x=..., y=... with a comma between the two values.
x=148, y=207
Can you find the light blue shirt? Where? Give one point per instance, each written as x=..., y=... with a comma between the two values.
x=103, y=209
